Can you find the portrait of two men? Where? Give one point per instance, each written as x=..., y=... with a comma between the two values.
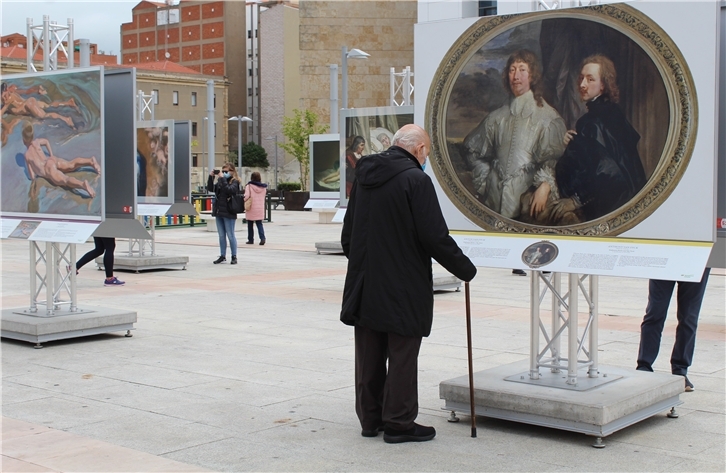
x=556, y=122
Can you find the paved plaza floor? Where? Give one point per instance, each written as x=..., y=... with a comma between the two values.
x=247, y=368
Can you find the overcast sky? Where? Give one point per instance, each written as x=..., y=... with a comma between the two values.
x=98, y=21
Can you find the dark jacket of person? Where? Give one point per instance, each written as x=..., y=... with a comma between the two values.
x=392, y=228
x=601, y=166
x=223, y=190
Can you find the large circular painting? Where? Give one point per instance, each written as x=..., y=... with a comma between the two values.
x=577, y=122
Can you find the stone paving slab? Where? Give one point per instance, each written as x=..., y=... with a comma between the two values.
x=247, y=368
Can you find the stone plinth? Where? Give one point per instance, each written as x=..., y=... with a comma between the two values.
x=145, y=263
x=601, y=408
x=21, y=324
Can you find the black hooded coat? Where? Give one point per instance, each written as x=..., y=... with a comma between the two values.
x=392, y=228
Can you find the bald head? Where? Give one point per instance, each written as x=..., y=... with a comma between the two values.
x=415, y=140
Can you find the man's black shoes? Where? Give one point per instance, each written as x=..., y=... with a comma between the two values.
x=418, y=433
x=372, y=432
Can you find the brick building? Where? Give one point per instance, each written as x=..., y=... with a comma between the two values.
x=208, y=37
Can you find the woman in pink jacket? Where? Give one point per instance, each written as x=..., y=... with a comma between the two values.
x=256, y=191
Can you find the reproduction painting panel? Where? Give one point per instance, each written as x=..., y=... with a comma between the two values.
x=52, y=145
x=367, y=131
x=325, y=163
x=155, y=162
x=577, y=121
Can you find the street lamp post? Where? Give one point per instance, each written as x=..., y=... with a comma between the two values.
x=345, y=54
x=239, y=119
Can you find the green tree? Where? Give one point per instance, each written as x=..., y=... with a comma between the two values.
x=297, y=130
x=253, y=156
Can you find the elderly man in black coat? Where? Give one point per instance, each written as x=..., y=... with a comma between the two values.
x=393, y=227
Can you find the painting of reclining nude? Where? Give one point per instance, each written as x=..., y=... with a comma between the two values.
x=52, y=145
x=368, y=131
x=154, y=166
x=559, y=122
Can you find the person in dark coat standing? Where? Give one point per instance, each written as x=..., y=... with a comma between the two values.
x=227, y=185
x=392, y=228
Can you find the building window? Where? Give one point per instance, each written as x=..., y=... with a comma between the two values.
x=194, y=128
x=250, y=71
x=194, y=160
x=487, y=8
x=215, y=103
x=194, y=99
x=175, y=98
x=249, y=91
x=249, y=34
x=156, y=96
x=215, y=129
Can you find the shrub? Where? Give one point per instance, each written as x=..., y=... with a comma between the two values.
x=288, y=186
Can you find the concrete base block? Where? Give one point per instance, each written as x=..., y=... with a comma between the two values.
x=326, y=215
x=600, y=410
x=144, y=263
x=37, y=327
x=329, y=247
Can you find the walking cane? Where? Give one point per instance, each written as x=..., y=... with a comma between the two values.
x=471, y=367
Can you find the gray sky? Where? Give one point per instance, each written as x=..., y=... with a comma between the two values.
x=99, y=21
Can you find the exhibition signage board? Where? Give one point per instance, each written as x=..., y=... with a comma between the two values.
x=155, y=210
x=47, y=230
x=548, y=153
x=52, y=165
x=671, y=260
x=367, y=131
x=324, y=165
x=155, y=162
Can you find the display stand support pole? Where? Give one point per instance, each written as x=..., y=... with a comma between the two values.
x=152, y=227
x=556, y=323
x=49, y=279
x=592, y=372
x=534, y=325
x=33, y=277
x=572, y=330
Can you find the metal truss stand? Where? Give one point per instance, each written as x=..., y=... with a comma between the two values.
x=567, y=302
x=144, y=247
x=590, y=399
x=49, y=37
x=145, y=103
x=52, y=273
x=400, y=83
x=141, y=255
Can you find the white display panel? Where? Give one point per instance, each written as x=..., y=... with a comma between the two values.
x=688, y=213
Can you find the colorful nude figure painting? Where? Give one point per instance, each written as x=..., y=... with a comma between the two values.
x=52, y=145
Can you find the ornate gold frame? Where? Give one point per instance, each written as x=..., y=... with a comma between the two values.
x=676, y=153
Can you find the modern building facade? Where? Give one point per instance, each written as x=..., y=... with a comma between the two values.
x=205, y=36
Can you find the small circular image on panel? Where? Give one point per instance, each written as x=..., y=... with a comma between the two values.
x=540, y=254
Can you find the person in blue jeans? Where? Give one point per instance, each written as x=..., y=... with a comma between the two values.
x=226, y=185
x=689, y=297
x=103, y=246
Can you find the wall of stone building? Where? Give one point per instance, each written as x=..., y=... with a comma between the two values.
x=382, y=28
x=279, y=81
